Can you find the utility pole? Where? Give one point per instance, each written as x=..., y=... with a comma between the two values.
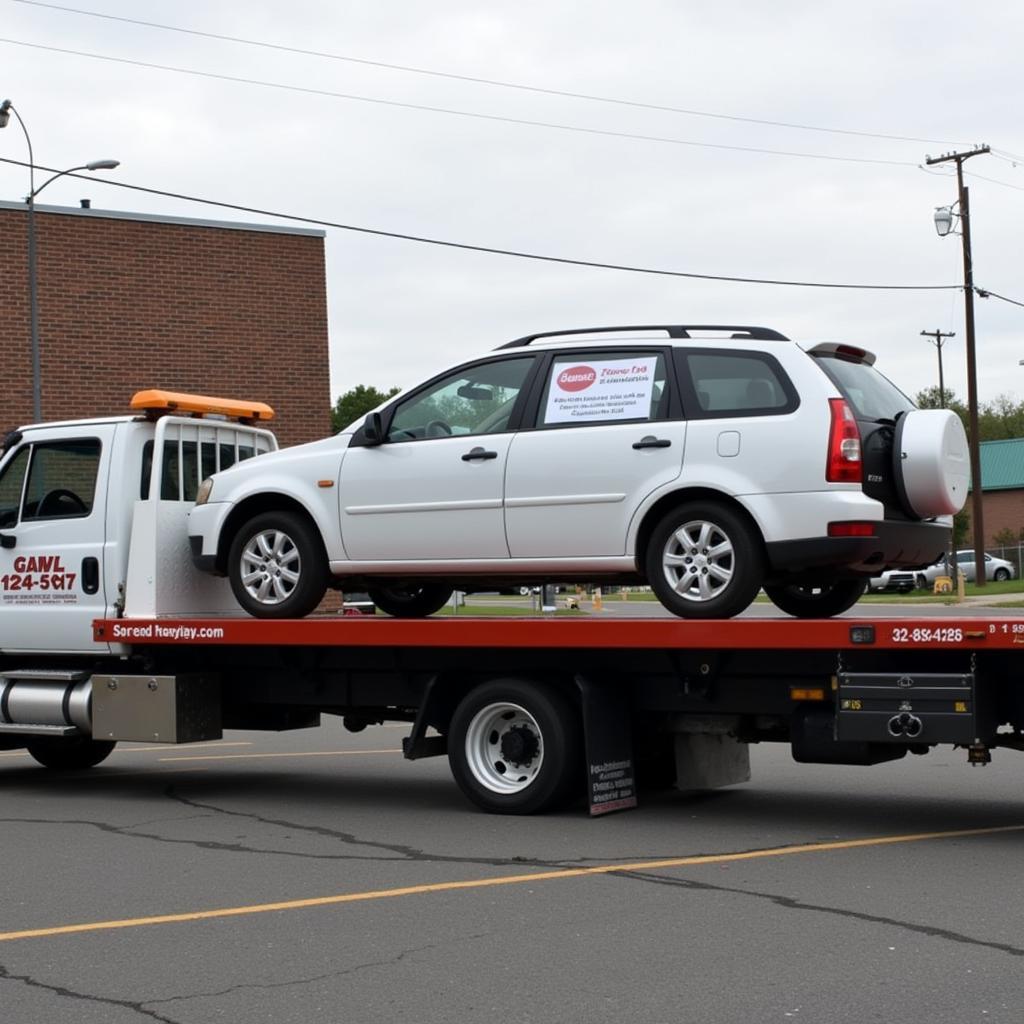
x=977, y=513
x=938, y=343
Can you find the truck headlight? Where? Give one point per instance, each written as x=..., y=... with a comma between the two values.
x=203, y=494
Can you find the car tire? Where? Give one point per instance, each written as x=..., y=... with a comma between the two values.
x=922, y=581
x=704, y=561
x=1001, y=575
x=70, y=753
x=816, y=602
x=410, y=600
x=515, y=747
x=277, y=566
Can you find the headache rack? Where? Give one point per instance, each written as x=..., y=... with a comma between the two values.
x=672, y=330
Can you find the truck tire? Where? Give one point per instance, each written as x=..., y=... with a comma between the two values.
x=704, y=561
x=410, y=600
x=277, y=566
x=69, y=753
x=817, y=602
x=516, y=747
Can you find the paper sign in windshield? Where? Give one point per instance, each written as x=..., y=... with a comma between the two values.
x=607, y=389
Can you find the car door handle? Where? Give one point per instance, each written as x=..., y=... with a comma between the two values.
x=650, y=441
x=7, y=540
x=478, y=455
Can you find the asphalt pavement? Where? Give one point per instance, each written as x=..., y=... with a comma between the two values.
x=317, y=876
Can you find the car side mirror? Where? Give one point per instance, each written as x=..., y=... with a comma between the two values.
x=373, y=429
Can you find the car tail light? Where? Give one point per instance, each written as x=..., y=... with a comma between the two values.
x=851, y=529
x=844, y=464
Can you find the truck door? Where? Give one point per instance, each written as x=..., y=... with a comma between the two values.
x=53, y=494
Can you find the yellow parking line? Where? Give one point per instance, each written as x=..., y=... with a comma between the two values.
x=298, y=753
x=483, y=883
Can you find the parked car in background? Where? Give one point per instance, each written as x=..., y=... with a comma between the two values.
x=892, y=581
x=705, y=461
x=996, y=569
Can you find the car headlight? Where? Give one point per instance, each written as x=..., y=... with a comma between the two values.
x=203, y=494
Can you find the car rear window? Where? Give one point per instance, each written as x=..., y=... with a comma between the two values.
x=872, y=396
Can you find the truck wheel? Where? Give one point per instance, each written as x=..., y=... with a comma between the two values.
x=277, y=566
x=820, y=601
x=515, y=747
x=704, y=561
x=69, y=753
x=410, y=600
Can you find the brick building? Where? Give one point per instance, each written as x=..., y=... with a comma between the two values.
x=1002, y=488
x=131, y=301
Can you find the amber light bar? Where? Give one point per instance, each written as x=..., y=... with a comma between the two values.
x=155, y=400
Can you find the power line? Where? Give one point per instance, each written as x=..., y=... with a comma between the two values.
x=986, y=294
x=492, y=250
x=478, y=80
x=608, y=133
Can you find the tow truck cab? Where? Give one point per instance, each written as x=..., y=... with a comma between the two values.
x=93, y=516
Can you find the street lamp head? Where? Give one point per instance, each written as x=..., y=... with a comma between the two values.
x=102, y=165
x=5, y=113
x=943, y=220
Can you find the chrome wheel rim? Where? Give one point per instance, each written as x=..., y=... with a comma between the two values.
x=271, y=566
x=504, y=748
x=698, y=561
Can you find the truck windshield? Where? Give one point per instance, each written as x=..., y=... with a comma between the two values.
x=872, y=396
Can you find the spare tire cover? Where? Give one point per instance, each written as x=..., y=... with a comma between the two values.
x=931, y=462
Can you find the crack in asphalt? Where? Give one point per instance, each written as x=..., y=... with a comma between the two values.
x=60, y=990
x=790, y=903
x=402, y=854
x=354, y=969
x=140, y=1006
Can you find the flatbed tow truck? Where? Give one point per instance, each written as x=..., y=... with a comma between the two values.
x=107, y=633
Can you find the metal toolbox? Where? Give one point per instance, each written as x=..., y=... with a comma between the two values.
x=156, y=709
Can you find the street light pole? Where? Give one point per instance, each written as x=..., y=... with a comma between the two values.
x=6, y=109
x=977, y=513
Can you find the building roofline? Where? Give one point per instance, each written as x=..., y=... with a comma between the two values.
x=153, y=218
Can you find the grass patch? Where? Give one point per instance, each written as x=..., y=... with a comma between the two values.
x=499, y=611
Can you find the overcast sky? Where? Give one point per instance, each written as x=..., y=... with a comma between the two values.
x=938, y=74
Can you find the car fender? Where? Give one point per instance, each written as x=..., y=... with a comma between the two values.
x=683, y=485
x=306, y=474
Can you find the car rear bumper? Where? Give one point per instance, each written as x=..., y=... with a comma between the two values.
x=894, y=544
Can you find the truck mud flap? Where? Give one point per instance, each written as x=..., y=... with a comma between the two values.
x=607, y=730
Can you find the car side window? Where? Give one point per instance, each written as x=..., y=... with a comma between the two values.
x=12, y=483
x=604, y=387
x=61, y=479
x=476, y=399
x=738, y=383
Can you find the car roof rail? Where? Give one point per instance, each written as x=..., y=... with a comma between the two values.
x=673, y=331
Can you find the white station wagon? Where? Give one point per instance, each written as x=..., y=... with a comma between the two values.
x=706, y=461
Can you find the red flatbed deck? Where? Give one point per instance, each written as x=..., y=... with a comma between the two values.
x=966, y=633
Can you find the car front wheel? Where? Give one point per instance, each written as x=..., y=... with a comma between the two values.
x=816, y=601
x=1001, y=575
x=704, y=561
x=277, y=566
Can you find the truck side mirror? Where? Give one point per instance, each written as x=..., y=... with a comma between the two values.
x=373, y=429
